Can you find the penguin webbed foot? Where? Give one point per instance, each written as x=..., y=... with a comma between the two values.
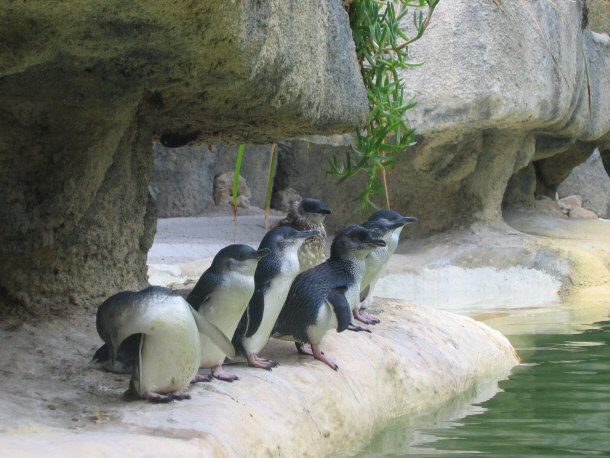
x=218, y=373
x=158, y=398
x=304, y=349
x=201, y=378
x=261, y=363
x=357, y=328
x=364, y=317
x=319, y=355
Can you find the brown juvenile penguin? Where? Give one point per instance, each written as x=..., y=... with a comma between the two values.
x=307, y=215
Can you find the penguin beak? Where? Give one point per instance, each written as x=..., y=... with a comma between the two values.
x=324, y=211
x=262, y=253
x=409, y=219
x=377, y=242
x=307, y=234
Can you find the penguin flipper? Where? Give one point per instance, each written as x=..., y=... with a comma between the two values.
x=336, y=298
x=216, y=335
x=256, y=310
x=365, y=293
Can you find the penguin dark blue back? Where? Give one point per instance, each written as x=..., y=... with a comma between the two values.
x=273, y=277
x=323, y=297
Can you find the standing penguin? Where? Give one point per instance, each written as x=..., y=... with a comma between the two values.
x=306, y=215
x=221, y=296
x=387, y=225
x=272, y=280
x=167, y=332
x=323, y=297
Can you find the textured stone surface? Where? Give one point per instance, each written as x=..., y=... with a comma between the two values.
x=417, y=357
x=87, y=86
x=498, y=121
x=591, y=182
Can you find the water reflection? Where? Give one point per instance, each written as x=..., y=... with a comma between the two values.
x=556, y=403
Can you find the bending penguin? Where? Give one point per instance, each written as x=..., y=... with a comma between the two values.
x=272, y=280
x=306, y=215
x=387, y=225
x=323, y=297
x=167, y=332
x=221, y=296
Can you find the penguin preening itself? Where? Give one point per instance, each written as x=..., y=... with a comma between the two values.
x=221, y=296
x=323, y=297
x=387, y=225
x=272, y=279
x=306, y=215
x=167, y=332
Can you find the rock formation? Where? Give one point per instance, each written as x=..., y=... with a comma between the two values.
x=498, y=120
x=87, y=86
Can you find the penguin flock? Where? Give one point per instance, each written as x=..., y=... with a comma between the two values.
x=285, y=289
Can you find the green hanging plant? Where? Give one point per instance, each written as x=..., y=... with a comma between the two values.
x=238, y=161
x=382, y=49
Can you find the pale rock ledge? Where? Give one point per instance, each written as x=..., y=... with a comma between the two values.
x=417, y=357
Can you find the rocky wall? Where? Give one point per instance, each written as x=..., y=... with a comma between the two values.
x=86, y=86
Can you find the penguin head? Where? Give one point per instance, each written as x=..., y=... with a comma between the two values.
x=354, y=241
x=385, y=228
x=239, y=258
x=392, y=217
x=285, y=237
x=313, y=210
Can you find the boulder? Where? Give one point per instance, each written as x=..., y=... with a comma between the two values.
x=417, y=358
x=501, y=116
x=590, y=181
x=87, y=87
x=223, y=190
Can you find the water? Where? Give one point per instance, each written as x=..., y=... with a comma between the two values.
x=556, y=403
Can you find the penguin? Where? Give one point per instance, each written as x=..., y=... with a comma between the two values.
x=272, y=279
x=167, y=332
x=387, y=225
x=305, y=215
x=221, y=296
x=323, y=297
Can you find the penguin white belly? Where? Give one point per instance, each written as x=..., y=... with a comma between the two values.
x=325, y=321
x=392, y=243
x=224, y=309
x=274, y=301
x=169, y=353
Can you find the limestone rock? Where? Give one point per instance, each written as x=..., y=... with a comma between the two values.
x=582, y=213
x=223, y=190
x=283, y=199
x=85, y=89
x=589, y=180
x=548, y=206
x=418, y=357
x=505, y=106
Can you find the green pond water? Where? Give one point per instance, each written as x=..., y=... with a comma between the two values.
x=556, y=403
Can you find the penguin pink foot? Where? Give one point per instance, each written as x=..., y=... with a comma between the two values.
x=320, y=356
x=304, y=349
x=218, y=373
x=201, y=378
x=365, y=317
x=262, y=363
x=357, y=328
x=164, y=398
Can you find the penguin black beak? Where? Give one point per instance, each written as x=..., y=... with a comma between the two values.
x=307, y=234
x=377, y=242
x=324, y=211
x=409, y=219
x=262, y=253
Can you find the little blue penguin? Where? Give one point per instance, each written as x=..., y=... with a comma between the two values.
x=221, y=296
x=387, y=225
x=167, y=332
x=324, y=296
x=307, y=215
x=272, y=280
